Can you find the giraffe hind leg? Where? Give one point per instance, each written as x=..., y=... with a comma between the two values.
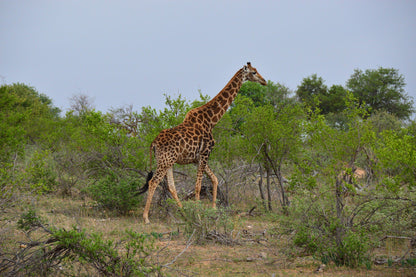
x=153, y=183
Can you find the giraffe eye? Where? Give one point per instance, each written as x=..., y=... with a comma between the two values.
x=254, y=73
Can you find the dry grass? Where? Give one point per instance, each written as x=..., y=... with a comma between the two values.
x=260, y=253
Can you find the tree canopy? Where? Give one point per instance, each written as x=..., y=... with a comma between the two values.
x=25, y=115
x=376, y=90
x=381, y=89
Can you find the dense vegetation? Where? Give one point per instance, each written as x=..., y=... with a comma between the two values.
x=334, y=166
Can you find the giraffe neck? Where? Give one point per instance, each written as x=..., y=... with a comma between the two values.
x=212, y=112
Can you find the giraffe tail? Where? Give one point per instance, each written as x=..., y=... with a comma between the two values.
x=149, y=175
x=146, y=186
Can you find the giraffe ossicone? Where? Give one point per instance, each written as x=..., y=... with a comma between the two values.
x=192, y=140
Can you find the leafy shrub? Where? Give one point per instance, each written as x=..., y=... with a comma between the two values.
x=29, y=220
x=116, y=193
x=104, y=255
x=58, y=250
x=320, y=233
x=42, y=174
x=352, y=251
x=206, y=223
x=307, y=239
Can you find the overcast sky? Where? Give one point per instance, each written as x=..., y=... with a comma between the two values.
x=132, y=52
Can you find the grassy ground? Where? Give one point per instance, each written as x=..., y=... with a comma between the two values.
x=260, y=250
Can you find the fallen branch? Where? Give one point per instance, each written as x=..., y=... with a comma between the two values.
x=251, y=210
x=394, y=237
x=188, y=244
x=221, y=238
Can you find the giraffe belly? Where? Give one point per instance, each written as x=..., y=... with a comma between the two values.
x=187, y=161
x=188, y=157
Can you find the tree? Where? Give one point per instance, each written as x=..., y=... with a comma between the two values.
x=382, y=120
x=279, y=95
x=253, y=95
x=381, y=89
x=337, y=216
x=314, y=93
x=12, y=134
x=25, y=116
x=125, y=118
x=81, y=103
x=254, y=91
x=396, y=153
x=227, y=157
x=273, y=93
x=274, y=137
x=311, y=91
x=326, y=223
x=333, y=101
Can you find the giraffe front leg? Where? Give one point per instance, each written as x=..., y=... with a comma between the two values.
x=171, y=186
x=214, y=181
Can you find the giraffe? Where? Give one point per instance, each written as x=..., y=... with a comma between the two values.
x=192, y=140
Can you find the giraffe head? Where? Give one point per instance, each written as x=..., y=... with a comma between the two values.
x=251, y=74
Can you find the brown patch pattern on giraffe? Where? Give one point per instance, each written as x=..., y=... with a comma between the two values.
x=192, y=140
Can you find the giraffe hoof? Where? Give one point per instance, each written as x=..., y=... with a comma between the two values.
x=146, y=221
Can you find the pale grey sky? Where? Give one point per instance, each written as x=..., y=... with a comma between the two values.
x=131, y=52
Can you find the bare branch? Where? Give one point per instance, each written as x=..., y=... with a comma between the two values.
x=188, y=244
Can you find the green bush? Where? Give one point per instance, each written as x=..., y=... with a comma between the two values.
x=307, y=239
x=29, y=220
x=206, y=224
x=352, y=252
x=71, y=252
x=105, y=255
x=319, y=232
x=42, y=174
x=116, y=193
